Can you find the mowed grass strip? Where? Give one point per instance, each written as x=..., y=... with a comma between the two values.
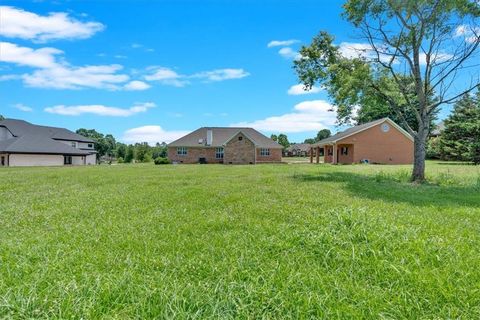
x=264, y=241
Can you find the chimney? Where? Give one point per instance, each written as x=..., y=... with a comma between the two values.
x=209, y=137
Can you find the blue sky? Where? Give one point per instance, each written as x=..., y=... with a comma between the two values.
x=153, y=70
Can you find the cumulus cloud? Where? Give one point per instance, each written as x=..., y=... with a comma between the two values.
x=166, y=76
x=170, y=77
x=222, y=74
x=18, y=23
x=299, y=89
x=306, y=116
x=100, y=110
x=22, y=107
x=289, y=53
x=151, y=134
x=282, y=43
x=136, y=86
x=470, y=34
x=52, y=72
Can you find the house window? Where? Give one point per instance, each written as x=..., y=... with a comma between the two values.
x=74, y=144
x=240, y=138
x=219, y=153
x=181, y=151
x=264, y=152
x=330, y=151
x=67, y=160
x=344, y=151
x=90, y=145
x=2, y=161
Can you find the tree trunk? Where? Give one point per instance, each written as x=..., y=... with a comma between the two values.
x=419, y=154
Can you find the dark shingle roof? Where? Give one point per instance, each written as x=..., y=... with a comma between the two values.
x=221, y=135
x=351, y=131
x=300, y=146
x=30, y=138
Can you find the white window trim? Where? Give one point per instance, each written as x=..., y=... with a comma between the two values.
x=218, y=152
x=264, y=152
x=182, y=151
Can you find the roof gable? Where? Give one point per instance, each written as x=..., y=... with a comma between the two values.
x=360, y=128
x=221, y=135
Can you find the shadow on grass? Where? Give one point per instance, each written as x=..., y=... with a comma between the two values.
x=389, y=188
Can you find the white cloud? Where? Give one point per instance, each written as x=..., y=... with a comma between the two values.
x=222, y=74
x=100, y=110
x=170, y=77
x=166, y=76
x=52, y=72
x=356, y=50
x=282, y=43
x=469, y=33
x=307, y=116
x=151, y=134
x=299, y=89
x=289, y=53
x=136, y=86
x=24, y=56
x=18, y=23
x=22, y=107
x=70, y=77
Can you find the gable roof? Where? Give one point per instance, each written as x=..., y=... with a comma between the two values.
x=357, y=129
x=21, y=127
x=300, y=146
x=221, y=135
x=30, y=138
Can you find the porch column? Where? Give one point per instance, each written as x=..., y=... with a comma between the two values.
x=334, y=154
x=311, y=154
x=318, y=155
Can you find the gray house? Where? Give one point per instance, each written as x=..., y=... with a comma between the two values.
x=26, y=144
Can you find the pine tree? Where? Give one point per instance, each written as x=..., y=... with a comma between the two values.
x=461, y=138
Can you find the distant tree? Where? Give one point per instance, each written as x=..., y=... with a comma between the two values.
x=104, y=145
x=461, y=138
x=283, y=140
x=121, y=150
x=310, y=141
x=130, y=154
x=274, y=137
x=159, y=151
x=323, y=134
x=2, y=117
x=143, y=152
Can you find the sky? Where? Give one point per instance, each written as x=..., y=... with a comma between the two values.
x=156, y=70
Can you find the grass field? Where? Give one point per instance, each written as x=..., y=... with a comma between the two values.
x=265, y=241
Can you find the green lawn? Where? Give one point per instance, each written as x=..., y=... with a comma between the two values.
x=264, y=241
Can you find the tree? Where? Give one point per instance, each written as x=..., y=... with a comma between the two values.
x=310, y=141
x=461, y=138
x=323, y=134
x=121, y=151
x=414, y=50
x=283, y=140
x=130, y=154
x=143, y=152
x=2, y=117
x=274, y=137
x=104, y=144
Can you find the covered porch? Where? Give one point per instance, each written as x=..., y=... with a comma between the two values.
x=332, y=153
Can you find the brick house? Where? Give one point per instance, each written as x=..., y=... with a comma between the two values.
x=225, y=145
x=381, y=141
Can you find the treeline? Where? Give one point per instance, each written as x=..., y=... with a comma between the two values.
x=108, y=149
x=460, y=140
x=282, y=138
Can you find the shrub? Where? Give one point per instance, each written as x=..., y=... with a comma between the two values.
x=161, y=160
x=120, y=160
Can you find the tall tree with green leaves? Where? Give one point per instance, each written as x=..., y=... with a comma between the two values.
x=274, y=137
x=283, y=140
x=130, y=154
x=323, y=134
x=414, y=53
x=461, y=138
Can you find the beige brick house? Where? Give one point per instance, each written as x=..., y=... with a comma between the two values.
x=225, y=145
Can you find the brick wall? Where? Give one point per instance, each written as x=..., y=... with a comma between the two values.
x=240, y=150
x=193, y=155
x=391, y=147
x=275, y=156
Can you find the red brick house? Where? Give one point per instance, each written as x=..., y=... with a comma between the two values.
x=225, y=145
x=381, y=141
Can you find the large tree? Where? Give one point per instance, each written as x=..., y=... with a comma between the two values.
x=283, y=140
x=416, y=58
x=323, y=134
x=104, y=144
x=461, y=138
